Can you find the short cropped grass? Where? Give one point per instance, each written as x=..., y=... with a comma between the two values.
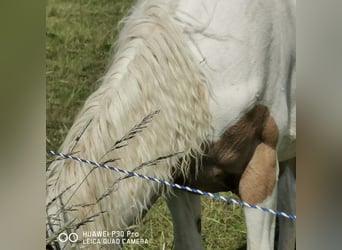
x=79, y=38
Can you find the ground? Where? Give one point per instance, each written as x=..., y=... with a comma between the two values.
x=79, y=38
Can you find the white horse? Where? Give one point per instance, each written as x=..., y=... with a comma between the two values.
x=222, y=75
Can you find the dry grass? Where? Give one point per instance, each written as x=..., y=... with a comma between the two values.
x=79, y=36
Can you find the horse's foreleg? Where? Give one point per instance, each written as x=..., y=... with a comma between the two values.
x=258, y=186
x=185, y=210
x=287, y=203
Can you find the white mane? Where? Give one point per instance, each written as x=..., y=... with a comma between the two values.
x=152, y=70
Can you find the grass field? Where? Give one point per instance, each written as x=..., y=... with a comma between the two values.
x=79, y=36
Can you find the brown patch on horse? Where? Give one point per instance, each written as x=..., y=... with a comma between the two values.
x=243, y=159
x=258, y=179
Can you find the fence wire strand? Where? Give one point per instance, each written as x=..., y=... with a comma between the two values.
x=175, y=185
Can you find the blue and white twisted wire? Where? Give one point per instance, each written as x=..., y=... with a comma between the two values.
x=174, y=185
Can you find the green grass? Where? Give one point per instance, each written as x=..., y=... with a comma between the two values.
x=79, y=37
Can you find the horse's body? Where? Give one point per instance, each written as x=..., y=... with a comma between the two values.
x=247, y=50
x=222, y=74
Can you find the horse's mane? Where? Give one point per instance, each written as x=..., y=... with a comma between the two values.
x=152, y=69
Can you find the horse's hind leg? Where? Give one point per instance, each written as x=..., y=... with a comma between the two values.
x=185, y=210
x=287, y=203
x=258, y=186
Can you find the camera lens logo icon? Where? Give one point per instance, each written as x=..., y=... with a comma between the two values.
x=64, y=237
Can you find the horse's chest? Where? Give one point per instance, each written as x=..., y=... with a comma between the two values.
x=226, y=159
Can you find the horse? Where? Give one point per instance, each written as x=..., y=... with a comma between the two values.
x=208, y=87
